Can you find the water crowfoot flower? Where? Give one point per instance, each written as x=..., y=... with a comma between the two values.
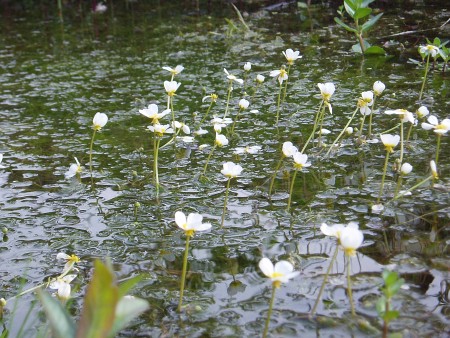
x=281, y=76
x=405, y=116
x=279, y=273
x=62, y=285
x=98, y=122
x=174, y=71
x=213, y=97
x=70, y=260
x=247, y=150
x=288, y=150
x=405, y=169
x=390, y=142
x=290, y=56
x=189, y=225
x=231, y=78
x=243, y=104
x=230, y=170
x=152, y=113
x=300, y=162
x=326, y=91
x=221, y=141
x=428, y=50
x=438, y=128
x=74, y=169
x=171, y=87
x=378, y=89
x=364, y=102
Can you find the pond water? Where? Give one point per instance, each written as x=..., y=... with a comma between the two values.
x=55, y=76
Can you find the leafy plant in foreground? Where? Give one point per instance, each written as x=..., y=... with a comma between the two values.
x=359, y=11
x=392, y=283
x=107, y=309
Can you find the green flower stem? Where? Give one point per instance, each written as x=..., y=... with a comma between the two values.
x=286, y=84
x=275, y=173
x=230, y=86
x=183, y=273
x=409, y=132
x=362, y=125
x=393, y=128
x=279, y=102
x=401, y=144
x=318, y=114
x=369, y=134
x=173, y=111
x=321, y=118
x=385, y=321
x=225, y=203
x=155, y=164
x=254, y=92
x=234, y=123
x=349, y=286
x=325, y=278
x=383, y=177
x=413, y=187
x=269, y=314
x=291, y=191
x=399, y=184
x=342, y=132
x=424, y=77
x=207, y=113
x=209, y=157
x=90, y=156
x=438, y=145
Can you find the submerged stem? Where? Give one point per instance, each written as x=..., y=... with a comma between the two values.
x=279, y=101
x=90, y=156
x=349, y=285
x=383, y=177
x=316, y=120
x=291, y=191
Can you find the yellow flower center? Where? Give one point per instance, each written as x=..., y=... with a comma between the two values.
x=74, y=259
x=276, y=284
x=389, y=148
x=189, y=233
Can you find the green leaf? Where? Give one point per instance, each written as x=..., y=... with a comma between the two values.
x=100, y=302
x=347, y=27
x=362, y=13
x=128, y=284
x=437, y=42
x=357, y=47
x=390, y=315
x=389, y=277
x=127, y=309
x=350, y=7
x=302, y=5
x=381, y=306
x=366, y=3
x=60, y=321
x=395, y=335
x=375, y=50
x=372, y=21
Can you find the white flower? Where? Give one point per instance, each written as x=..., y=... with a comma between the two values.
x=429, y=49
x=231, y=170
x=75, y=168
x=233, y=77
x=422, y=112
x=203, y=146
x=171, y=87
x=377, y=208
x=100, y=8
x=390, y=141
x=405, y=116
x=213, y=97
x=200, y=132
x=406, y=168
x=192, y=223
x=182, y=126
x=289, y=149
x=378, y=88
x=247, y=150
x=280, y=74
x=70, y=260
x=326, y=90
x=280, y=273
x=364, y=102
x=218, y=120
x=62, y=284
x=175, y=71
x=186, y=139
x=439, y=128
x=99, y=121
x=160, y=129
x=434, y=171
x=247, y=66
x=152, y=112
x=243, y=104
x=221, y=140
x=291, y=56
x=351, y=239
x=260, y=78
x=1, y=160
x=349, y=130
x=301, y=161
x=336, y=229
x=323, y=131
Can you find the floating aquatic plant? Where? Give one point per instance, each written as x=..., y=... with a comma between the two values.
x=439, y=129
x=230, y=78
x=74, y=169
x=213, y=97
x=405, y=116
x=291, y=56
x=427, y=51
x=220, y=141
x=243, y=104
x=99, y=121
x=378, y=89
x=281, y=75
x=288, y=150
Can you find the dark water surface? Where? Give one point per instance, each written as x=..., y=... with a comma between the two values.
x=53, y=79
